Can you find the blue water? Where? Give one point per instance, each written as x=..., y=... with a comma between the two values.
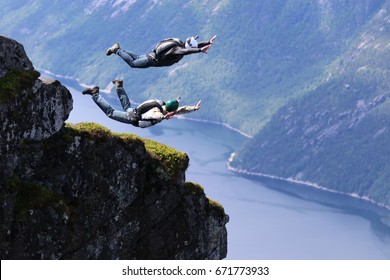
x=269, y=219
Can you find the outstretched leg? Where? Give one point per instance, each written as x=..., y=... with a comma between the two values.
x=120, y=116
x=134, y=60
x=124, y=99
x=125, y=117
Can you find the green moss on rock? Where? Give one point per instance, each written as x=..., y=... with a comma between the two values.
x=198, y=190
x=174, y=161
x=30, y=195
x=216, y=205
x=89, y=130
x=96, y=131
x=14, y=82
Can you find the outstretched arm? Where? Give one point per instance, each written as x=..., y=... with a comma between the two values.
x=207, y=43
x=202, y=47
x=197, y=106
x=188, y=109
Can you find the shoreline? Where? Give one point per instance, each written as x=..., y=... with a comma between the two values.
x=304, y=183
x=217, y=123
x=107, y=89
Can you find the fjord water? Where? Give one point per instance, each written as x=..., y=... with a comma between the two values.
x=269, y=219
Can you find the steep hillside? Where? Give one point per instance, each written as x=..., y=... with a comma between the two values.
x=82, y=192
x=266, y=53
x=336, y=136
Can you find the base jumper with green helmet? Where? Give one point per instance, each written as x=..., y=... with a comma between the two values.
x=170, y=105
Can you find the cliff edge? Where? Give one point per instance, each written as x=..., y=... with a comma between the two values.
x=83, y=192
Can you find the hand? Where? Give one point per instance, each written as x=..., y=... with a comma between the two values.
x=197, y=106
x=205, y=48
x=169, y=115
x=212, y=39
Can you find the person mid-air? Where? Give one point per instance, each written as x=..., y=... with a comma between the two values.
x=166, y=53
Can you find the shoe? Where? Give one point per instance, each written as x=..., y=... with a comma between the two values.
x=118, y=83
x=113, y=49
x=91, y=91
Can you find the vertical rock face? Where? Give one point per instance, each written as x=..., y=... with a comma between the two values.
x=31, y=109
x=13, y=56
x=83, y=192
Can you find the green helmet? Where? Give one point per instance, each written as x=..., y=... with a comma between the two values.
x=172, y=105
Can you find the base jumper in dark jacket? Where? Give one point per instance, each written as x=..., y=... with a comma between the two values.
x=166, y=53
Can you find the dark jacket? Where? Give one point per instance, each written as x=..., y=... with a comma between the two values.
x=174, y=52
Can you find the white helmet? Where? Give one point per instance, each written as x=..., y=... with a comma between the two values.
x=191, y=43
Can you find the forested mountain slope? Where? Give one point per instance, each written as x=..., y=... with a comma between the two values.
x=338, y=135
x=266, y=53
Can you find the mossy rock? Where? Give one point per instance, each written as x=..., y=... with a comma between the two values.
x=173, y=161
x=30, y=195
x=14, y=82
x=96, y=131
x=199, y=191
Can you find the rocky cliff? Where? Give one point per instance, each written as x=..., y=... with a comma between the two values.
x=83, y=192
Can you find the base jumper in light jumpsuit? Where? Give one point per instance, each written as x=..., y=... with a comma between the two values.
x=146, y=114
